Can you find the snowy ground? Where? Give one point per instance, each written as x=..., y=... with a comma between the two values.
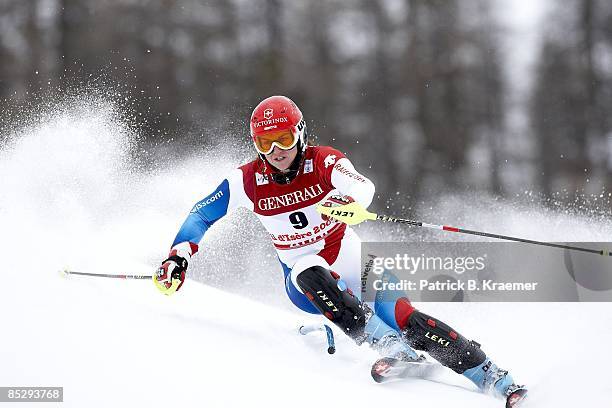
x=70, y=198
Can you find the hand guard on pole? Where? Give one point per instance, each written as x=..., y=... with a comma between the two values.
x=352, y=213
x=334, y=201
x=171, y=274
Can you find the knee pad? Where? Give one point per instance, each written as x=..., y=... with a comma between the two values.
x=443, y=343
x=326, y=292
x=305, y=262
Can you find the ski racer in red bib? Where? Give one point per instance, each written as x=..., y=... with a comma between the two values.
x=320, y=257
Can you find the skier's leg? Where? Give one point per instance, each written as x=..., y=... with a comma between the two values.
x=344, y=260
x=330, y=295
x=295, y=294
x=451, y=349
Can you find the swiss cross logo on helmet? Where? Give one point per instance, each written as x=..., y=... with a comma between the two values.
x=268, y=113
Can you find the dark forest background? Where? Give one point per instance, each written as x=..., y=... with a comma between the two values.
x=417, y=92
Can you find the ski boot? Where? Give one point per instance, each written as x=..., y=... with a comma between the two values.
x=497, y=382
x=386, y=340
x=398, y=360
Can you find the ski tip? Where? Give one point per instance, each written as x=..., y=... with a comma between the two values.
x=516, y=398
x=377, y=377
x=380, y=368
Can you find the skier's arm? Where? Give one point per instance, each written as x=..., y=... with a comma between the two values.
x=350, y=183
x=202, y=216
x=228, y=195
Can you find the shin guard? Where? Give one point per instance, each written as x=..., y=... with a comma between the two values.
x=425, y=333
x=336, y=303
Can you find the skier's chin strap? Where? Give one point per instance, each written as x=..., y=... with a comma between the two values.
x=293, y=171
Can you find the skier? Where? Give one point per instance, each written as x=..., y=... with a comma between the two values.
x=320, y=257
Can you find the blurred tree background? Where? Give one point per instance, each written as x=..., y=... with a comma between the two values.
x=417, y=92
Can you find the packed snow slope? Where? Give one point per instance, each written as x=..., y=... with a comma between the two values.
x=73, y=197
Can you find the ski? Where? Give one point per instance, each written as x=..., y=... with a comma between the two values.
x=389, y=368
x=516, y=397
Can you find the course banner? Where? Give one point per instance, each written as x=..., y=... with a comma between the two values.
x=484, y=272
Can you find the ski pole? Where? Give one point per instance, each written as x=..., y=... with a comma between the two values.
x=331, y=347
x=106, y=275
x=354, y=213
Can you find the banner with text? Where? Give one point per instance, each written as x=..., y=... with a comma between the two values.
x=484, y=272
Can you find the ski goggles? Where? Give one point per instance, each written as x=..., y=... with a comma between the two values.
x=283, y=139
